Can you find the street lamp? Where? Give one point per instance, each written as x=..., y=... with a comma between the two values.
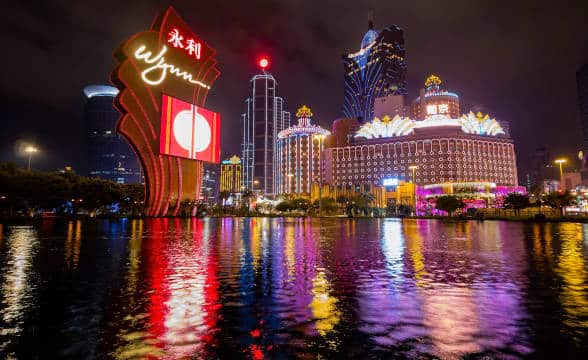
x=30, y=150
x=560, y=162
x=320, y=138
x=413, y=168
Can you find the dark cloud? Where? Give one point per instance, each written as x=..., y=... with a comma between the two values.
x=516, y=58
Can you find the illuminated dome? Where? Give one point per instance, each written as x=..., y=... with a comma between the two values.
x=369, y=37
x=100, y=90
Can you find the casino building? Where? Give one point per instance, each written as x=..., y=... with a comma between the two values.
x=298, y=159
x=472, y=150
x=377, y=70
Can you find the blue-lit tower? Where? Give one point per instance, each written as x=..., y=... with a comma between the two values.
x=377, y=70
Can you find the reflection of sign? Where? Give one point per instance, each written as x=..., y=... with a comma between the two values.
x=390, y=182
x=189, y=131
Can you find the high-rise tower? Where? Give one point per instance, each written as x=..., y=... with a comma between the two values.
x=378, y=69
x=109, y=155
x=263, y=119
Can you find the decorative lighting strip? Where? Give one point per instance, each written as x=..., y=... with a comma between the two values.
x=471, y=123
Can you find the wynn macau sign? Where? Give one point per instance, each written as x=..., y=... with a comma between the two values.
x=164, y=75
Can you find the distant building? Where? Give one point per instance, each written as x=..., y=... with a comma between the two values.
x=343, y=129
x=377, y=70
x=433, y=100
x=109, y=155
x=582, y=83
x=231, y=175
x=263, y=119
x=299, y=155
x=391, y=106
x=209, y=189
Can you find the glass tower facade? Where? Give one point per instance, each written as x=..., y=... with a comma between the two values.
x=377, y=70
x=263, y=118
x=582, y=82
x=109, y=155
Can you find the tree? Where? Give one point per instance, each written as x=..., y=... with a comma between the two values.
x=301, y=204
x=284, y=205
x=516, y=201
x=329, y=205
x=559, y=199
x=449, y=203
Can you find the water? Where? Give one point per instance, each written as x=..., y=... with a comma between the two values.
x=283, y=288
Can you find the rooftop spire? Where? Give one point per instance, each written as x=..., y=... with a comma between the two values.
x=370, y=20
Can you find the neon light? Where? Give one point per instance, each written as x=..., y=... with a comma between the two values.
x=390, y=182
x=175, y=39
x=162, y=66
x=192, y=46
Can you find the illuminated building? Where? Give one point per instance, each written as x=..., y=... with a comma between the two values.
x=391, y=105
x=582, y=82
x=109, y=155
x=433, y=100
x=231, y=174
x=440, y=149
x=263, y=119
x=209, y=189
x=343, y=129
x=298, y=159
x=377, y=70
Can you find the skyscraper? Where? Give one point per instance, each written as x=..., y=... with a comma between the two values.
x=582, y=82
x=231, y=175
x=109, y=155
x=263, y=118
x=377, y=70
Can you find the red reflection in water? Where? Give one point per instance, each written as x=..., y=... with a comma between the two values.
x=184, y=299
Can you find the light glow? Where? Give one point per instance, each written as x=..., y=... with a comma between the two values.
x=263, y=63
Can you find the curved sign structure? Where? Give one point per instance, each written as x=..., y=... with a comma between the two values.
x=164, y=75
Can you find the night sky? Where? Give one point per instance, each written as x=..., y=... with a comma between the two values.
x=516, y=58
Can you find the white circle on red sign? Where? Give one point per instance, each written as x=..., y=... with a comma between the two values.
x=188, y=132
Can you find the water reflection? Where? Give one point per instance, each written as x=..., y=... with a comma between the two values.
x=18, y=284
x=256, y=288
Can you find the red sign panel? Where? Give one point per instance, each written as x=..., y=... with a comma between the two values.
x=189, y=131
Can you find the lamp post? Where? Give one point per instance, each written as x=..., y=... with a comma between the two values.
x=30, y=150
x=560, y=162
x=320, y=141
x=413, y=168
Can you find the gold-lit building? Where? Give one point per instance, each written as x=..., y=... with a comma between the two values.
x=230, y=177
x=433, y=100
x=399, y=193
x=299, y=155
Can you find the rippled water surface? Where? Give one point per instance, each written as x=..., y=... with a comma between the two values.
x=282, y=288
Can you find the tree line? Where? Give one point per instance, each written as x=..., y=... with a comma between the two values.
x=28, y=192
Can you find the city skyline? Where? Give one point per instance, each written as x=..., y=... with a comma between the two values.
x=514, y=70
